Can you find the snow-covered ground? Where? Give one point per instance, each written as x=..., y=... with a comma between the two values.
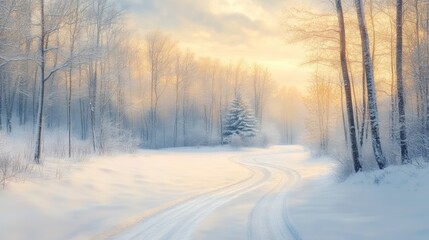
x=215, y=193
x=388, y=204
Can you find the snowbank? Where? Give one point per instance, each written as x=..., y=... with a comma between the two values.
x=388, y=204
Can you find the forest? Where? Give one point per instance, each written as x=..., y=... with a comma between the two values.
x=369, y=92
x=77, y=79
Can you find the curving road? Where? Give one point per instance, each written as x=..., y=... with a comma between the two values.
x=268, y=218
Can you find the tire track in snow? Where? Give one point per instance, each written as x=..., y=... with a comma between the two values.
x=269, y=218
x=179, y=221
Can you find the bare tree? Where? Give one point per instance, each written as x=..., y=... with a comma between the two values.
x=178, y=82
x=347, y=89
x=74, y=27
x=160, y=49
x=42, y=52
x=372, y=99
x=261, y=80
x=319, y=103
x=400, y=86
x=47, y=29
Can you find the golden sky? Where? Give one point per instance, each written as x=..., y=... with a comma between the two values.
x=230, y=30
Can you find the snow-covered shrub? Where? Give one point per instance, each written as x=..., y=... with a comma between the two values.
x=12, y=168
x=14, y=161
x=115, y=138
x=55, y=144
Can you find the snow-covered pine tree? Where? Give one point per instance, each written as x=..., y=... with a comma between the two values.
x=240, y=121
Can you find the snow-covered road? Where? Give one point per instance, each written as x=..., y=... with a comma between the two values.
x=183, y=193
x=268, y=218
x=280, y=192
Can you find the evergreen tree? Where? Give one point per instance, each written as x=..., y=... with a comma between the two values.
x=239, y=121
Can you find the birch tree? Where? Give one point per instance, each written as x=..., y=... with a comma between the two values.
x=372, y=98
x=42, y=80
x=347, y=89
x=400, y=86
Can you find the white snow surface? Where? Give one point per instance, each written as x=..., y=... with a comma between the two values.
x=215, y=193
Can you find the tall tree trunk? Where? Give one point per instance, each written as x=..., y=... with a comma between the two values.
x=69, y=98
x=176, y=110
x=400, y=86
x=83, y=119
x=392, y=85
x=21, y=97
x=421, y=93
x=426, y=135
x=184, y=116
x=353, y=89
x=346, y=139
x=363, y=126
x=9, y=103
x=92, y=102
x=73, y=33
x=347, y=89
x=39, y=120
x=220, y=120
x=1, y=98
x=372, y=96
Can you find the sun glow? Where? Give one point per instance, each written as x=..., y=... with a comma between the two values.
x=231, y=31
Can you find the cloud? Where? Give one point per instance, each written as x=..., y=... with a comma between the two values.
x=184, y=17
x=226, y=29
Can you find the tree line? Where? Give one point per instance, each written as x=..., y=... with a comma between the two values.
x=374, y=55
x=76, y=66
